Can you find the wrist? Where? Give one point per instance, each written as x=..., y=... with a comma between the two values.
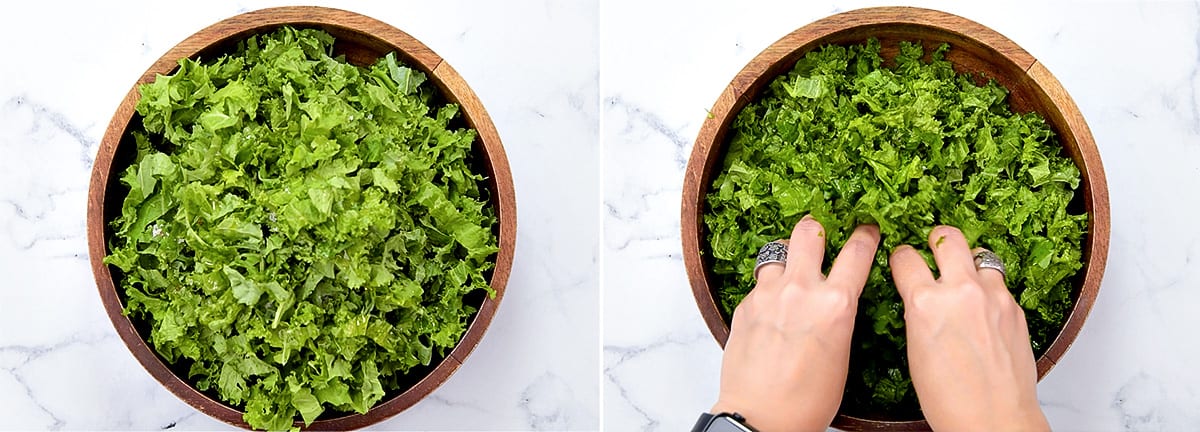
x=1023, y=419
x=723, y=407
x=722, y=422
x=1034, y=420
x=764, y=418
x=1025, y=415
x=742, y=412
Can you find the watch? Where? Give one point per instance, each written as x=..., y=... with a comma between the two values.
x=723, y=422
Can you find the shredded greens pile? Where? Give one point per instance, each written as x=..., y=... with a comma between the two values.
x=907, y=147
x=299, y=232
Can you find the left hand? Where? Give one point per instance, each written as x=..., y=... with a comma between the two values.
x=788, y=351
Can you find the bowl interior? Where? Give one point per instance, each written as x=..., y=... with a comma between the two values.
x=356, y=39
x=975, y=50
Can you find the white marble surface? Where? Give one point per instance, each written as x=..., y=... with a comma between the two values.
x=66, y=66
x=1132, y=67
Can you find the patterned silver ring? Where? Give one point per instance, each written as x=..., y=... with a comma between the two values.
x=773, y=252
x=989, y=260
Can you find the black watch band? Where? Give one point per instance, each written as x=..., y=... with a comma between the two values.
x=723, y=422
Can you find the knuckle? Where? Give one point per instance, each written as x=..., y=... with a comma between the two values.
x=961, y=296
x=1005, y=300
x=839, y=303
x=1009, y=315
x=922, y=299
x=831, y=300
x=972, y=294
x=792, y=293
x=746, y=307
x=836, y=295
x=1015, y=310
x=844, y=301
x=792, y=286
x=1020, y=314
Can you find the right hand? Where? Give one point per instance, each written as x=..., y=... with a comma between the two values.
x=968, y=344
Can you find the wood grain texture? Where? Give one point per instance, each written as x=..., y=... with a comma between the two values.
x=504, y=197
x=362, y=40
x=1081, y=146
x=977, y=50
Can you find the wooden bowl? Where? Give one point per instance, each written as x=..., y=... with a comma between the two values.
x=975, y=49
x=362, y=40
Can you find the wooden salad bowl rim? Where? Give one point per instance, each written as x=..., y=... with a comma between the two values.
x=376, y=36
x=1031, y=84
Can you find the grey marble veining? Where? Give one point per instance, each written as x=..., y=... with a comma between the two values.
x=574, y=88
x=68, y=64
x=1133, y=68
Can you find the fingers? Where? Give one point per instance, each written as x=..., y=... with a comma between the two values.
x=909, y=270
x=950, y=251
x=991, y=278
x=770, y=272
x=853, y=263
x=806, y=250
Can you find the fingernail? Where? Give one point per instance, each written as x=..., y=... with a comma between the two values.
x=808, y=217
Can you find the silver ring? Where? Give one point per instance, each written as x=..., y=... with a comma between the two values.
x=773, y=252
x=989, y=260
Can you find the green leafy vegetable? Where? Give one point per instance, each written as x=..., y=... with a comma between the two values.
x=907, y=147
x=299, y=232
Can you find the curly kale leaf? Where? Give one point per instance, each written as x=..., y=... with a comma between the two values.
x=906, y=147
x=299, y=232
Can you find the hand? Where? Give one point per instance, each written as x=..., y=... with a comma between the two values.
x=968, y=344
x=785, y=362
